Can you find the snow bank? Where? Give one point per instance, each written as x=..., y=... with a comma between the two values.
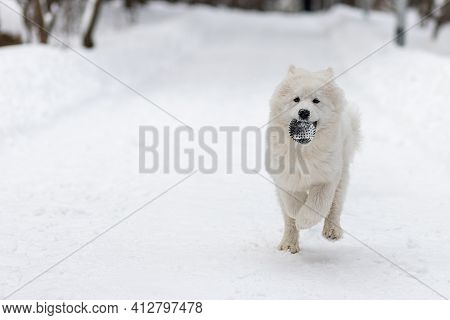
x=40, y=83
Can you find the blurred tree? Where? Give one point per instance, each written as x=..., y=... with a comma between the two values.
x=208, y=2
x=442, y=17
x=242, y=4
x=307, y=5
x=400, y=10
x=313, y=5
x=383, y=5
x=129, y=4
x=91, y=14
x=70, y=17
x=249, y=4
x=81, y=17
x=425, y=8
x=39, y=18
x=366, y=5
x=349, y=2
x=132, y=6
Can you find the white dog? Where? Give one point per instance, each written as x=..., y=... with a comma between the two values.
x=311, y=175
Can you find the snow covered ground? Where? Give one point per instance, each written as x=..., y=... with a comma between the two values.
x=69, y=160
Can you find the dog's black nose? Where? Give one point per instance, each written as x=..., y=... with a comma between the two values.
x=303, y=114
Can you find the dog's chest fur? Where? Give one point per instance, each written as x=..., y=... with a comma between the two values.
x=305, y=166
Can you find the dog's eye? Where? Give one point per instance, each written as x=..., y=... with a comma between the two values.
x=316, y=100
x=296, y=99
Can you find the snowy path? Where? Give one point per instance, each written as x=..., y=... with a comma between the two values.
x=71, y=169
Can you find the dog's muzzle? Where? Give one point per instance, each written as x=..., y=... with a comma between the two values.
x=302, y=131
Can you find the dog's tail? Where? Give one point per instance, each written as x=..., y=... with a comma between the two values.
x=356, y=128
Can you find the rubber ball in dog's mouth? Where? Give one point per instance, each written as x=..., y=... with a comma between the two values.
x=302, y=131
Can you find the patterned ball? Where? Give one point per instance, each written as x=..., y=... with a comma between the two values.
x=302, y=131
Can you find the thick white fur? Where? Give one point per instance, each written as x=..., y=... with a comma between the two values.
x=314, y=178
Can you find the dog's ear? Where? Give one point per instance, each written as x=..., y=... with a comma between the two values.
x=329, y=73
x=291, y=70
x=326, y=74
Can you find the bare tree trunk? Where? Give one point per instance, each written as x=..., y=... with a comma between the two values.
x=39, y=20
x=366, y=5
x=307, y=5
x=26, y=20
x=400, y=9
x=93, y=14
x=442, y=18
x=425, y=10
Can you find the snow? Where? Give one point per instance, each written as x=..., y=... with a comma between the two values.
x=69, y=156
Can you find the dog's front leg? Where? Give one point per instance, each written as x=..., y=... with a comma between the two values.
x=332, y=227
x=316, y=207
x=290, y=204
x=289, y=242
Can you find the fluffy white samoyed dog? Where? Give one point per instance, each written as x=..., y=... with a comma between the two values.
x=312, y=136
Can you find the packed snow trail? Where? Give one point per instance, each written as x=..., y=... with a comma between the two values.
x=69, y=149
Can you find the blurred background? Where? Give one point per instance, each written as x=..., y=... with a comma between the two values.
x=71, y=104
x=80, y=17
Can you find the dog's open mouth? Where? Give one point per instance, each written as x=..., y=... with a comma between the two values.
x=302, y=131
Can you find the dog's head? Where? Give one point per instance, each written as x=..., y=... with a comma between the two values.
x=307, y=97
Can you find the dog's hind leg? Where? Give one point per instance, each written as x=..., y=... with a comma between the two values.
x=332, y=227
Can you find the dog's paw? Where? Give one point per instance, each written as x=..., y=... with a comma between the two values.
x=289, y=246
x=332, y=232
x=307, y=218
